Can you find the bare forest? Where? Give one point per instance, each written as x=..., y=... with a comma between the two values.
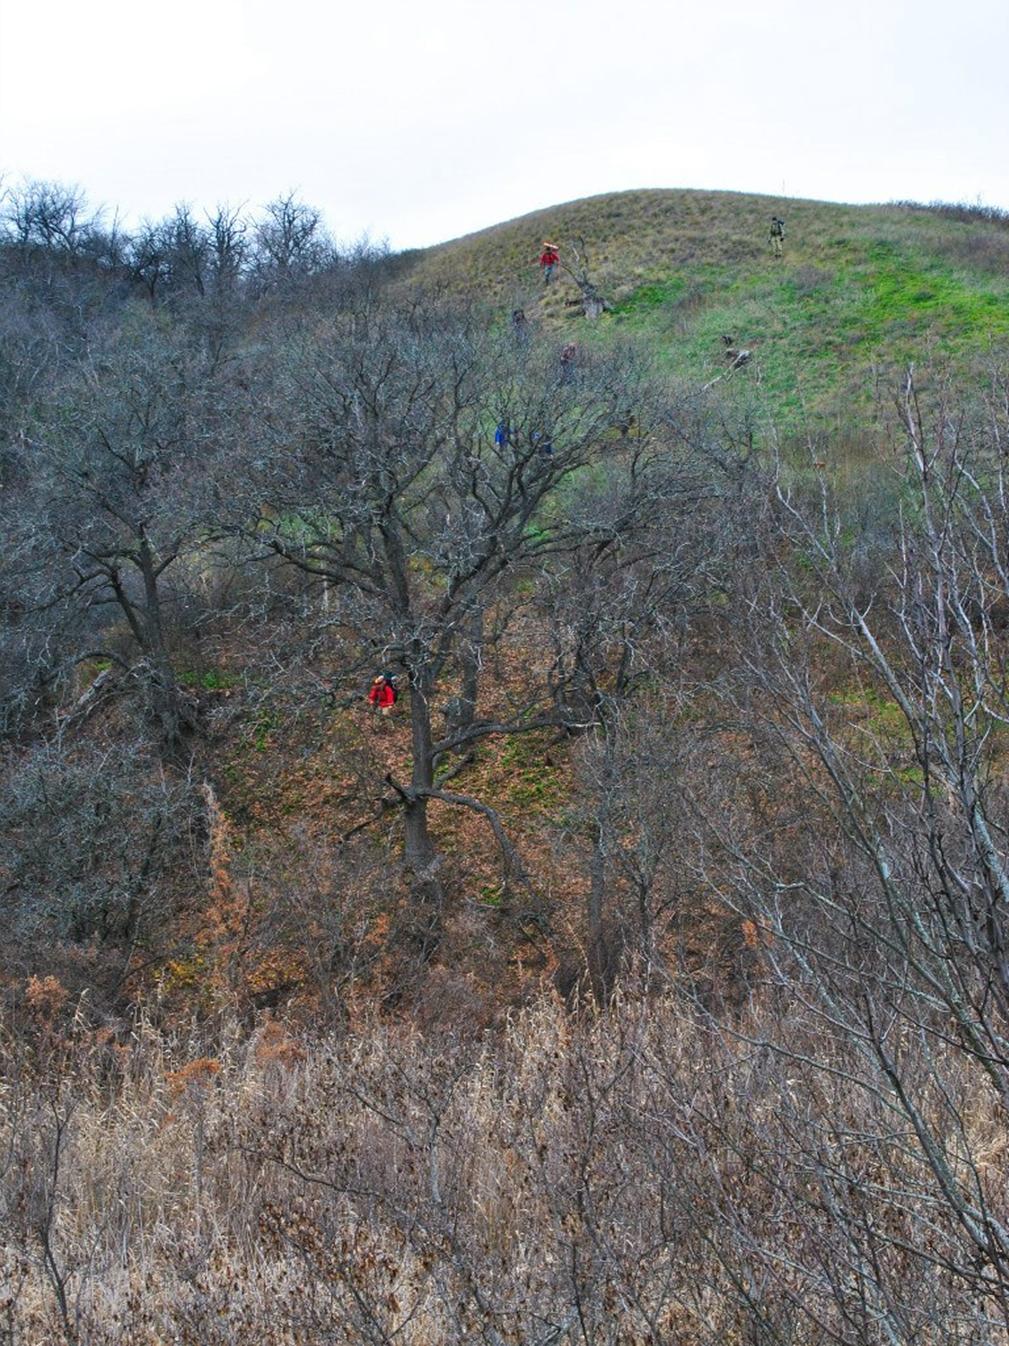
x=641, y=976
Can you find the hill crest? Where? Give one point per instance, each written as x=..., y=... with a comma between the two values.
x=859, y=288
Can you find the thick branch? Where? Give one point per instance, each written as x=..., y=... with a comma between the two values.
x=513, y=867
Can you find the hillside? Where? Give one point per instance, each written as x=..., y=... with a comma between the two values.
x=489, y=851
x=859, y=291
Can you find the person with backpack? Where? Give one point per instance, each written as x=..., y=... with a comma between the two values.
x=549, y=258
x=383, y=694
x=777, y=235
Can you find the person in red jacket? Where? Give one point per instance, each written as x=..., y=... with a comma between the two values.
x=382, y=695
x=549, y=258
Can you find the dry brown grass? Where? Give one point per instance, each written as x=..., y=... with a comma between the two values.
x=625, y=1178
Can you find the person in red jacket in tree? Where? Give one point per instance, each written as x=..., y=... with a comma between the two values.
x=382, y=695
x=549, y=258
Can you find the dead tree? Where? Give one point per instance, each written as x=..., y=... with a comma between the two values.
x=577, y=267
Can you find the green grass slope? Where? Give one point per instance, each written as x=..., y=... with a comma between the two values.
x=860, y=289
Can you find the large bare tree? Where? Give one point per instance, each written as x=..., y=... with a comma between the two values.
x=427, y=473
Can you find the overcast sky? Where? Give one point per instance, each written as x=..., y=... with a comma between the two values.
x=421, y=121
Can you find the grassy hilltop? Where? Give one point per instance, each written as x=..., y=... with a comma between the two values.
x=859, y=291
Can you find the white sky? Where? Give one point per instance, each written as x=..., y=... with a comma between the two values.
x=421, y=121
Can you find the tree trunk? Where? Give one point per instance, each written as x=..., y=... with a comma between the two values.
x=419, y=853
x=594, y=913
x=593, y=304
x=469, y=659
x=171, y=714
x=601, y=953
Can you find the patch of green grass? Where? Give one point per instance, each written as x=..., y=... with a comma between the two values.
x=906, y=297
x=211, y=679
x=93, y=667
x=263, y=726
x=647, y=298
x=910, y=775
x=859, y=292
x=524, y=750
x=881, y=714
x=532, y=783
x=533, y=789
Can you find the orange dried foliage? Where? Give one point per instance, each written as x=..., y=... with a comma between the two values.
x=193, y=1077
x=226, y=915
x=277, y=1047
x=45, y=997
x=379, y=931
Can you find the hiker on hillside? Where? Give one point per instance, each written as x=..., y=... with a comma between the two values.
x=549, y=258
x=502, y=435
x=776, y=235
x=382, y=695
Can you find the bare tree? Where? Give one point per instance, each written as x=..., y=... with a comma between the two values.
x=46, y=217
x=172, y=258
x=386, y=483
x=111, y=499
x=229, y=247
x=874, y=863
x=101, y=851
x=289, y=241
x=619, y=618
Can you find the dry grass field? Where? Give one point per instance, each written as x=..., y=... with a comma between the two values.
x=627, y=1179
